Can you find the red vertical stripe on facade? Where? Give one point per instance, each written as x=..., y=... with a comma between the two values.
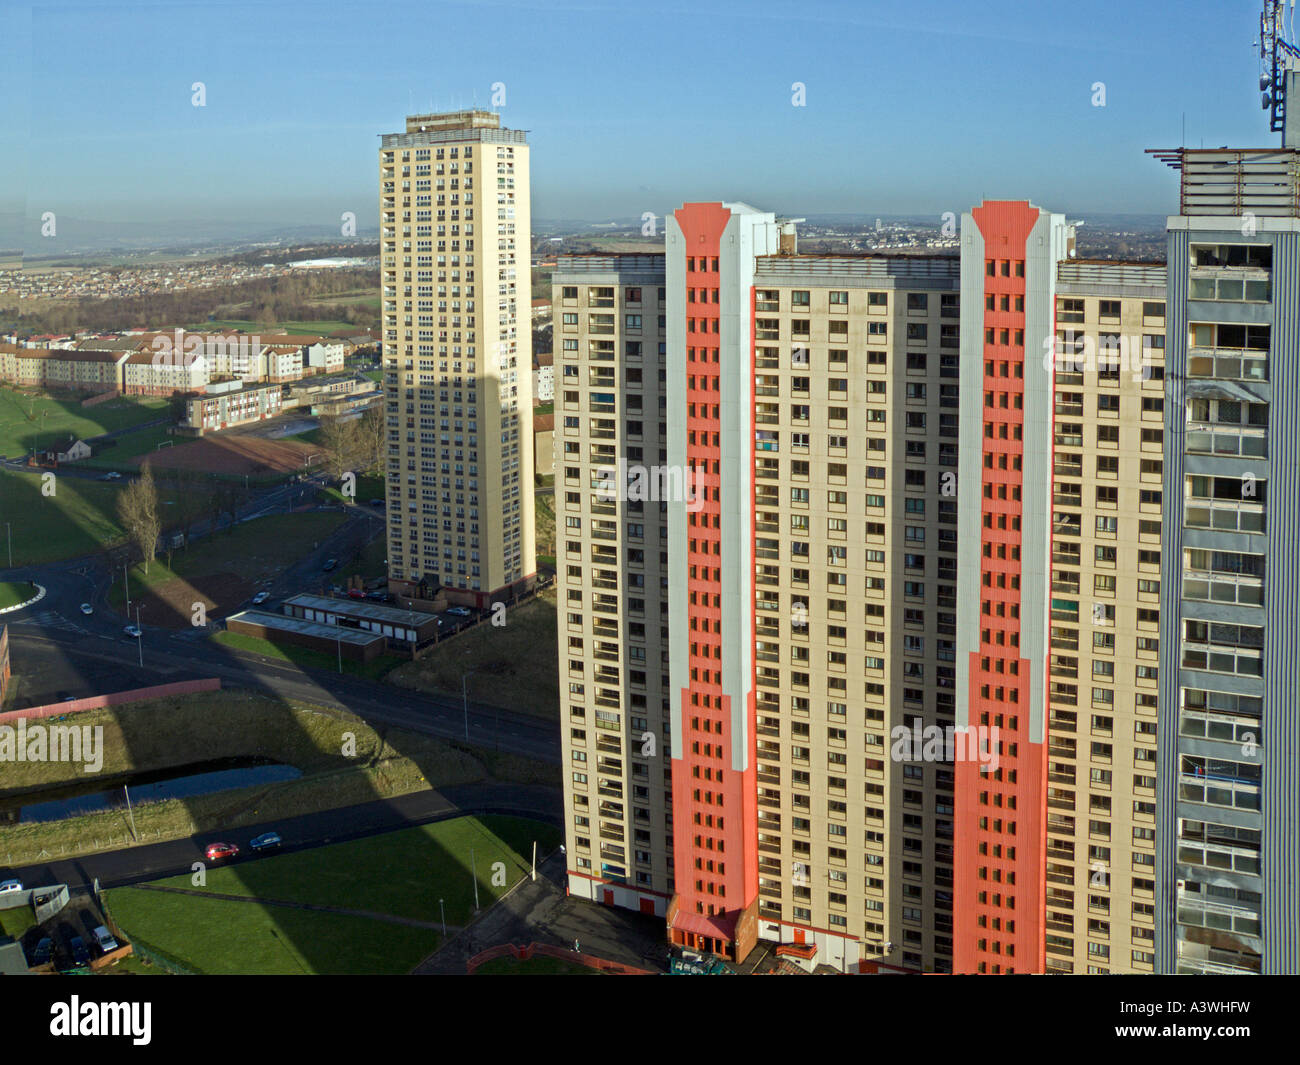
x=713, y=833
x=1001, y=816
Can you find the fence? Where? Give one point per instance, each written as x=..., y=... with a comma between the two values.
x=546, y=950
x=98, y=702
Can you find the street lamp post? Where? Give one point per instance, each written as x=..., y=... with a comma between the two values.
x=139, y=639
x=464, y=698
x=9, y=533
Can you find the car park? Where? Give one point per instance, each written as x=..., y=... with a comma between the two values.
x=267, y=841
x=104, y=939
x=217, y=852
x=43, y=951
x=77, y=948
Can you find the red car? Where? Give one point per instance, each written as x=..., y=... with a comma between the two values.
x=356, y=593
x=218, y=851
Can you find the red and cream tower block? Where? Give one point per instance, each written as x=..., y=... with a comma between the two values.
x=710, y=251
x=1008, y=278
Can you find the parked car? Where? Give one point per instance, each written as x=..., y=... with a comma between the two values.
x=104, y=939
x=44, y=949
x=356, y=593
x=376, y=502
x=217, y=852
x=267, y=841
x=10, y=887
x=133, y=631
x=77, y=948
x=460, y=612
x=261, y=597
x=378, y=597
x=86, y=608
x=112, y=476
x=330, y=564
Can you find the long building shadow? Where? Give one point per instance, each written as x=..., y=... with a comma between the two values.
x=258, y=716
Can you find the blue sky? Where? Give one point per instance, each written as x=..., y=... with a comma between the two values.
x=910, y=107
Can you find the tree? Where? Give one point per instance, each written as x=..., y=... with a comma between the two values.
x=339, y=437
x=372, y=439
x=137, y=506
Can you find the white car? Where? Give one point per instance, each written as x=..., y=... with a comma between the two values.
x=261, y=597
x=86, y=608
x=133, y=631
x=10, y=887
x=460, y=612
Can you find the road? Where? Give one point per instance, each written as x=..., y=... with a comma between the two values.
x=57, y=651
x=133, y=865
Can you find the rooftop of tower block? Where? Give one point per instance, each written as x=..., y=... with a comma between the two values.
x=431, y=123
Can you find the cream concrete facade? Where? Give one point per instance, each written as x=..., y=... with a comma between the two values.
x=455, y=228
x=1104, y=649
x=856, y=428
x=611, y=563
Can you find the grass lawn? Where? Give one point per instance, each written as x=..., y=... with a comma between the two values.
x=543, y=408
x=307, y=657
x=131, y=446
x=535, y=966
x=163, y=733
x=255, y=550
x=15, y=923
x=517, y=664
x=40, y=418
x=80, y=517
x=218, y=936
x=369, y=486
x=369, y=563
x=402, y=873
x=12, y=594
x=544, y=523
x=314, y=329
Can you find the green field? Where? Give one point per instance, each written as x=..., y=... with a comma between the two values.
x=130, y=447
x=78, y=519
x=221, y=937
x=403, y=874
x=369, y=486
x=255, y=550
x=244, y=325
x=28, y=421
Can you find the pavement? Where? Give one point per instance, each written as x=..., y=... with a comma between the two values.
x=541, y=911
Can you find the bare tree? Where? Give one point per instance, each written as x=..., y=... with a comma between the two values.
x=137, y=506
x=339, y=437
x=372, y=440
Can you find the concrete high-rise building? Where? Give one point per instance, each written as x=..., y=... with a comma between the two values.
x=1228, y=869
x=795, y=615
x=457, y=356
x=1103, y=645
x=611, y=570
x=1061, y=504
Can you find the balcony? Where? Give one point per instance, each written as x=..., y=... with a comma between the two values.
x=1223, y=588
x=1232, y=364
x=1204, y=439
x=1224, y=516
